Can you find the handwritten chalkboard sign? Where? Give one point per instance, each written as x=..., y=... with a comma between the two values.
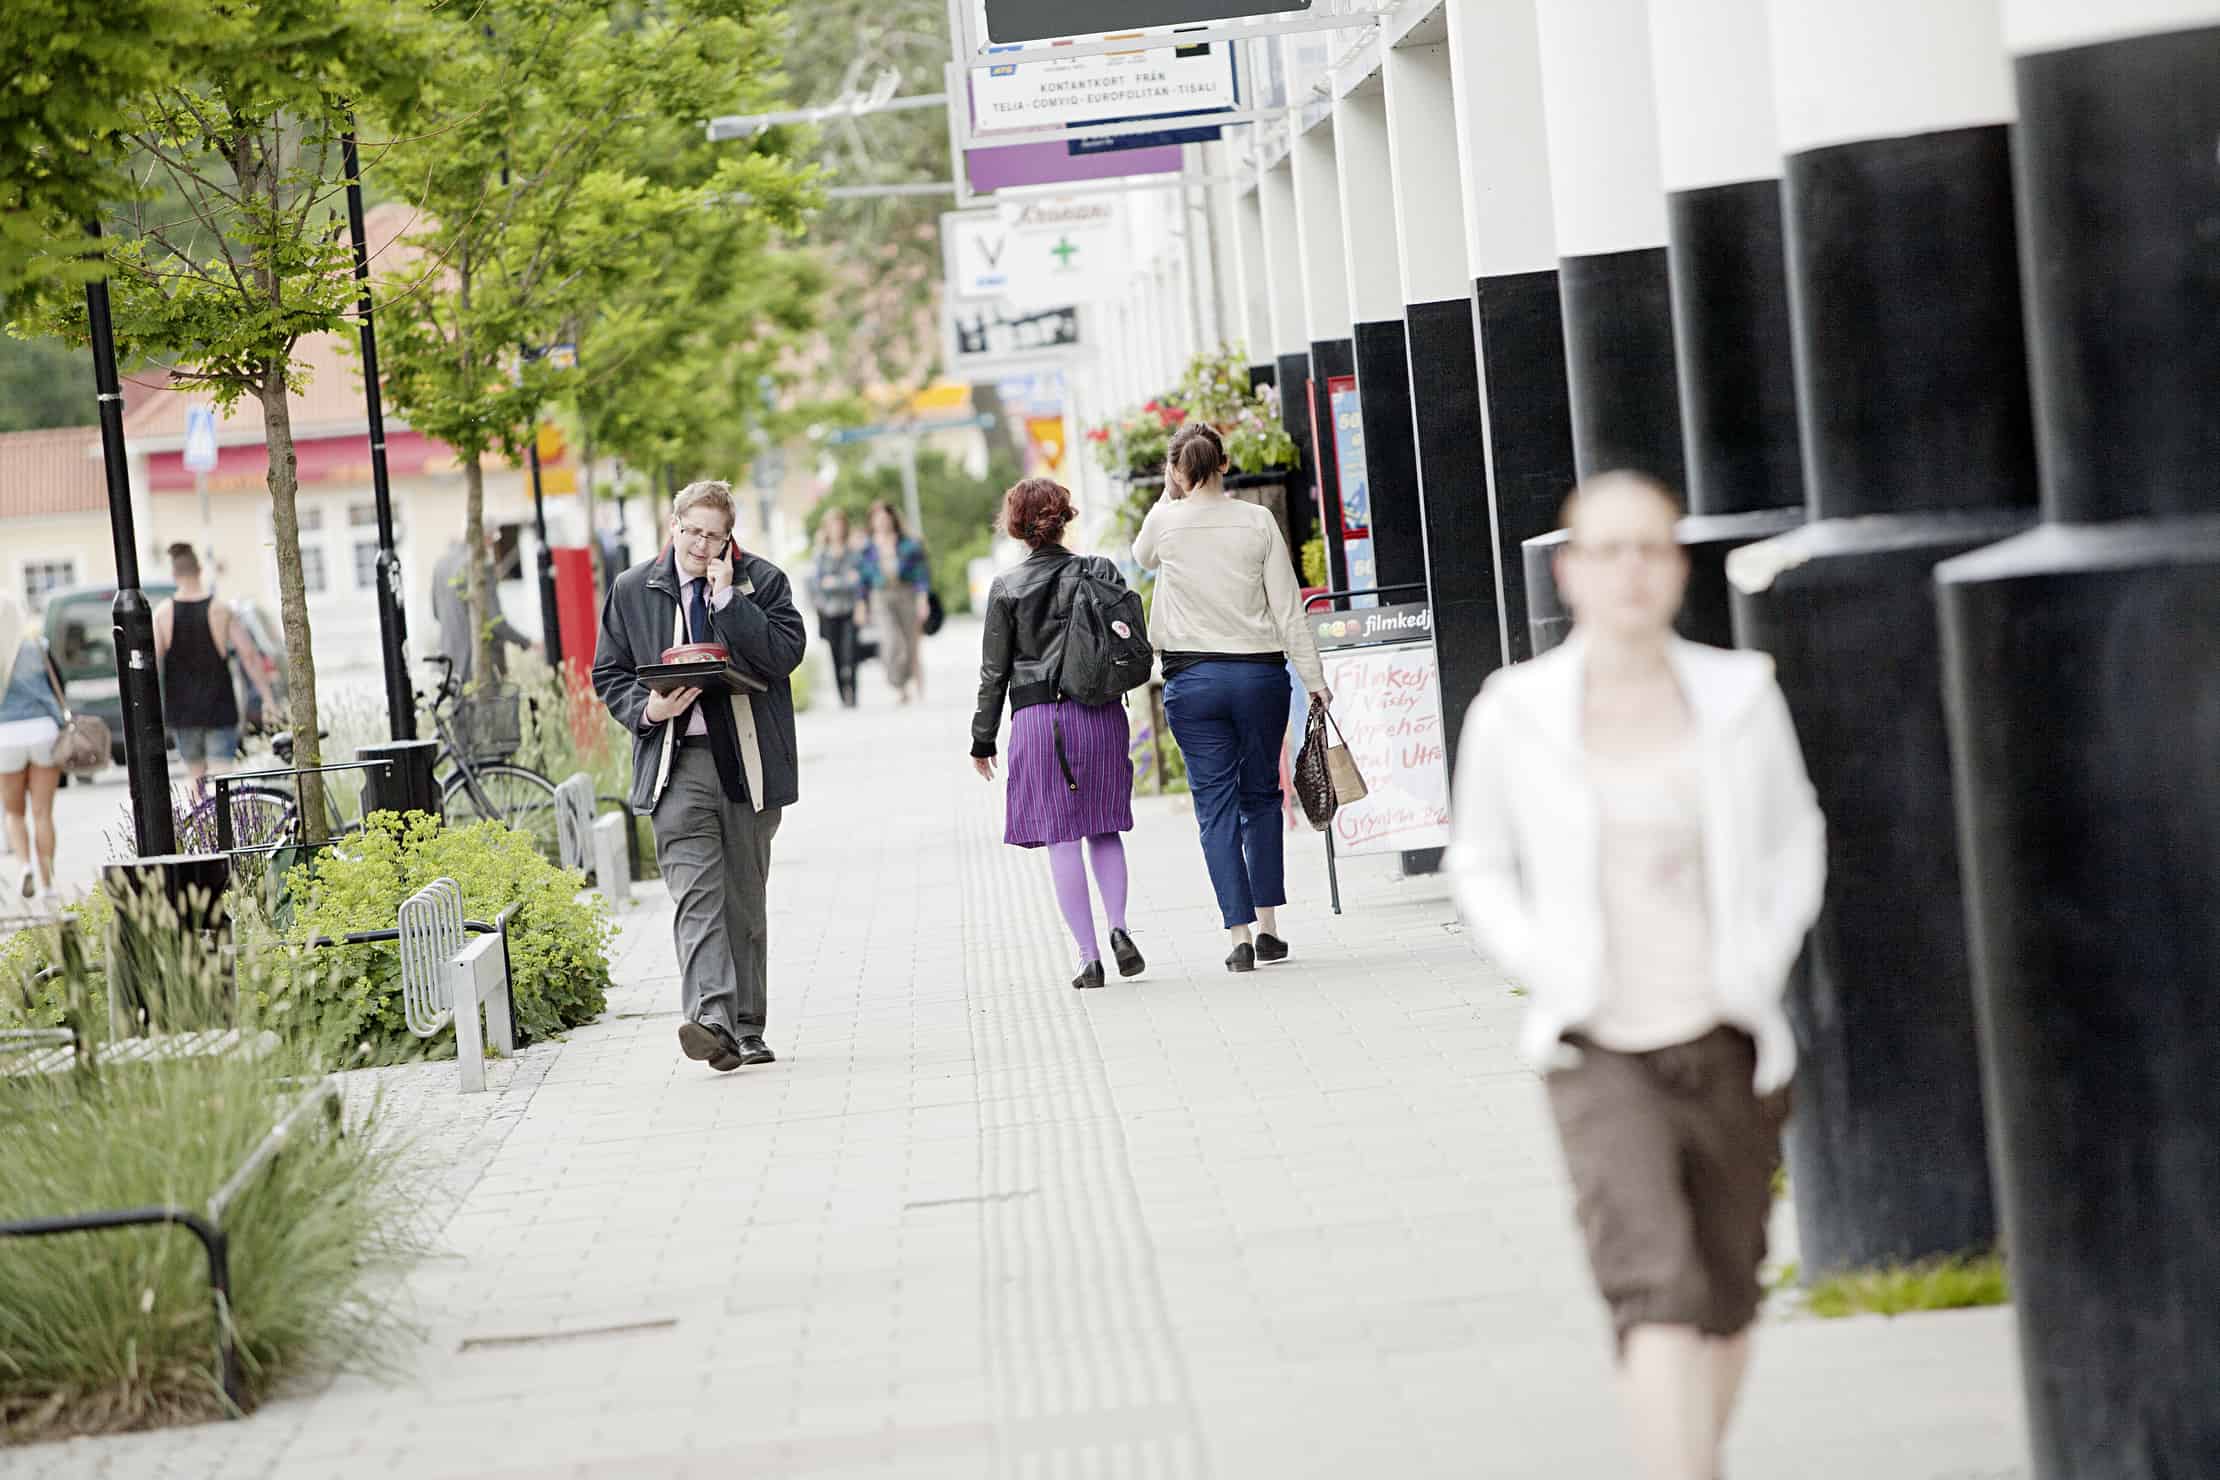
x=1387, y=699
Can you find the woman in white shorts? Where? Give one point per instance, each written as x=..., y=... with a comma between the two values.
x=30, y=721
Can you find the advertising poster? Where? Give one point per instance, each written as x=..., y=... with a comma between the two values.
x=1358, y=565
x=1387, y=700
x=1102, y=89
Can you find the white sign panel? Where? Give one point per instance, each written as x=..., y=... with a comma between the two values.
x=1096, y=89
x=1064, y=249
x=1387, y=701
x=200, y=439
x=975, y=251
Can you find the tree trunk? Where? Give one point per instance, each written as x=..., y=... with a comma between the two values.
x=300, y=658
x=477, y=596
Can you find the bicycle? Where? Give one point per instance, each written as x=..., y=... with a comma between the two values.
x=478, y=734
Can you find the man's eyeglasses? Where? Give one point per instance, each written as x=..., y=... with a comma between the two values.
x=703, y=536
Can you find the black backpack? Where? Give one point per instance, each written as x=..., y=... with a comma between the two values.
x=1106, y=639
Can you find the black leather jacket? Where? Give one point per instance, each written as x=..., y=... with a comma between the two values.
x=1023, y=651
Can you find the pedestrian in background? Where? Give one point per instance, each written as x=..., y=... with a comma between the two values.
x=1071, y=764
x=715, y=772
x=31, y=718
x=1637, y=845
x=195, y=641
x=897, y=582
x=1228, y=620
x=835, y=590
x=458, y=642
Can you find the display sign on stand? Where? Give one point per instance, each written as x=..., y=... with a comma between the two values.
x=1379, y=663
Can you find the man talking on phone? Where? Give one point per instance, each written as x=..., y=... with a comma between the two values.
x=713, y=770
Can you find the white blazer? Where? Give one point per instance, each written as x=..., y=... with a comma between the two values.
x=1523, y=857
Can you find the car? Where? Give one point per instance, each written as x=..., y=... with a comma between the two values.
x=79, y=632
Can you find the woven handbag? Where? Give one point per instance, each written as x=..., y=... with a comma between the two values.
x=1326, y=775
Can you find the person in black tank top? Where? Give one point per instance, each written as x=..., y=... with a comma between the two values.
x=193, y=638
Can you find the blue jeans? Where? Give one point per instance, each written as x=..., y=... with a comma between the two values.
x=1230, y=720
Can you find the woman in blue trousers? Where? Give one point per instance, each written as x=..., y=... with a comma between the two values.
x=1228, y=618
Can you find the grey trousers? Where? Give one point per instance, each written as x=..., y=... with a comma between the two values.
x=716, y=857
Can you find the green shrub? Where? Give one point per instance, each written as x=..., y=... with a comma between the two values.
x=1314, y=562
x=558, y=943
x=1931, y=1284
x=28, y=952
x=115, y=1330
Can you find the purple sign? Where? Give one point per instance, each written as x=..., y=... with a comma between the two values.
x=1051, y=164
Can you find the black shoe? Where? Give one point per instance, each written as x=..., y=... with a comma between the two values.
x=1128, y=954
x=1243, y=958
x=1090, y=975
x=709, y=1043
x=1270, y=947
x=753, y=1050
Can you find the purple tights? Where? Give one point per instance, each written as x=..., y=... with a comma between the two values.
x=1069, y=870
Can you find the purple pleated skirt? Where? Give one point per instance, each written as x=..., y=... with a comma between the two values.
x=1043, y=808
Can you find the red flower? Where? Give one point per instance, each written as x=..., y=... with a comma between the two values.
x=1099, y=434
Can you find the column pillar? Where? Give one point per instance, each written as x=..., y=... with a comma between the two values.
x=1719, y=157
x=1609, y=204
x=1252, y=301
x=1290, y=347
x=1326, y=318
x=1448, y=425
x=1397, y=541
x=2083, y=681
x=1517, y=324
x=1904, y=287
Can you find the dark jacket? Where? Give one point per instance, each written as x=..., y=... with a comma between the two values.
x=762, y=630
x=1022, y=654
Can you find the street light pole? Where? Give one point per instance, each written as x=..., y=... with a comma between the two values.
x=145, y=745
x=550, y=615
x=393, y=633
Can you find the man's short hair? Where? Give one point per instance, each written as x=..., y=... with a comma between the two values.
x=183, y=562
x=711, y=493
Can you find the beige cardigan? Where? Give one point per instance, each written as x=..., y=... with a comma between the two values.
x=1224, y=582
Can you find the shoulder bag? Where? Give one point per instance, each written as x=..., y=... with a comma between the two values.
x=1326, y=775
x=85, y=743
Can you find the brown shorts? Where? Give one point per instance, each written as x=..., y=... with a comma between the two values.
x=1672, y=1155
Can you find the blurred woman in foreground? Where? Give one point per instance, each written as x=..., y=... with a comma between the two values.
x=1637, y=844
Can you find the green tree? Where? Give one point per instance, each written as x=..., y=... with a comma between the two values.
x=232, y=248
x=554, y=186
x=43, y=383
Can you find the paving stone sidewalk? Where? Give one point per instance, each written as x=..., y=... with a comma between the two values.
x=1307, y=1222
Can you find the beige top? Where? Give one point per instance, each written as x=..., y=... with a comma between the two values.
x=1657, y=986
x=1225, y=583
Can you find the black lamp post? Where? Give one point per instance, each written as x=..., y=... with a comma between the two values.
x=393, y=635
x=139, y=678
x=550, y=615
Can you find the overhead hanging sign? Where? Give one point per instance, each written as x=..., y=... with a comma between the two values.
x=975, y=253
x=984, y=338
x=200, y=439
x=1063, y=248
x=1102, y=89
x=1043, y=20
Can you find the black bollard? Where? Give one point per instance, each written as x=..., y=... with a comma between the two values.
x=404, y=785
x=2083, y=667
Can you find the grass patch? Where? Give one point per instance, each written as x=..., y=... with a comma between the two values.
x=1954, y=1283
x=110, y=1331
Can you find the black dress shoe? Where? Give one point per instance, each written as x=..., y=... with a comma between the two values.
x=1128, y=954
x=1243, y=958
x=1090, y=975
x=1270, y=947
x=753, y=1050
x=709, y=1043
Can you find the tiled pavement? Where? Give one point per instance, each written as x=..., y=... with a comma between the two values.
x=1303, y=1223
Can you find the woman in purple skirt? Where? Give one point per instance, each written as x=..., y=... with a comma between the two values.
x=1071, y=770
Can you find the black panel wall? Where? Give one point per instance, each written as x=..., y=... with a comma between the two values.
x=1328, y=358
x=1619, y=364
x=1458, y=531
x=1526, y=407
x=1390, y=455
x=1292, y=377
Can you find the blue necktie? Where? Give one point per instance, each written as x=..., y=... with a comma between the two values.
x=724, y=739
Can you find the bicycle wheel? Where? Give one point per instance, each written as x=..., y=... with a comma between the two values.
x=260, y=815
x=522, y=798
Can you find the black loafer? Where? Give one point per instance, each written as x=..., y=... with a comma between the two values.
x=753, y=1050
x=1128, y=954
x=706, y=1043
x=1090, y=975
x=1270, y=947
x=1243, y=958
